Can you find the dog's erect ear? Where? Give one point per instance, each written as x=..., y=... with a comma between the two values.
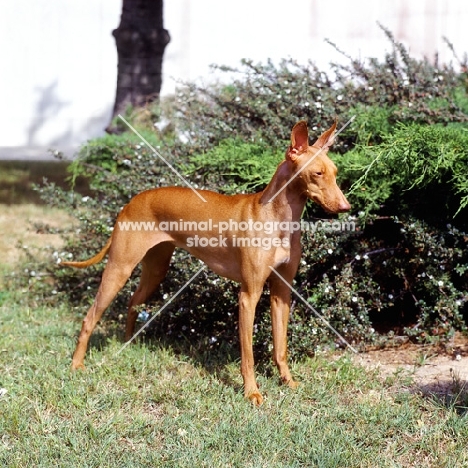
x=299, y=140
x=325, y=140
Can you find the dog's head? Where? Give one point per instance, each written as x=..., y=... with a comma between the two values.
x=314, y=170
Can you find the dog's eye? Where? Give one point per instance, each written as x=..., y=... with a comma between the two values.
x=319, y=173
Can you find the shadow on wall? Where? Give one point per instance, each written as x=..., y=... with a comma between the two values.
x=47, y=108
x=47, y=113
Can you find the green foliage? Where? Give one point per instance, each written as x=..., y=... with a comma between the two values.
x=389, y=277
x=408, y=167
x=263, y=101
x=402, y=163
x=219, y=167
x=108, y=155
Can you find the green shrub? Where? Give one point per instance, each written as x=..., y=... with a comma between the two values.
x=219, y=167
x=402, y=271
x=394, y=275
x=420, y=169
x=263, y=101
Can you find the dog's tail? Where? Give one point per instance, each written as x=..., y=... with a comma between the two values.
x=97, y=258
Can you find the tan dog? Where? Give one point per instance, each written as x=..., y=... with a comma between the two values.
x=240, y=237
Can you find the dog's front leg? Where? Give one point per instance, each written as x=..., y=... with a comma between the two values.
x=280, y=298
x=247, y=303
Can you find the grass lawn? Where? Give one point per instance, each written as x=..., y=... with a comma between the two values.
x=160, y=405
x=151, y=406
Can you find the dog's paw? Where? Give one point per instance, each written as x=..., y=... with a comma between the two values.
x=77, y=366
x=255, y=397
x=293, y=384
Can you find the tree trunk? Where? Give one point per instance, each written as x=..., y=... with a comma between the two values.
x=141, y=40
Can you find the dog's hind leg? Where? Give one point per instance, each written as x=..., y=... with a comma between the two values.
x=154, y=268
x=113, y=279
x=125, y=253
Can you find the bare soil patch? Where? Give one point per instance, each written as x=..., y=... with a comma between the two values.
x=17, y=225
x=431, y=369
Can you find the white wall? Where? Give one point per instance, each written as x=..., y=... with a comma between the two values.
x=58, y=59
x=58, y=67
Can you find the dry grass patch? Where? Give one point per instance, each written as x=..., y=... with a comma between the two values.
x=17, y=228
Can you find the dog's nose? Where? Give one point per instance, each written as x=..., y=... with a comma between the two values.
x=344, y=206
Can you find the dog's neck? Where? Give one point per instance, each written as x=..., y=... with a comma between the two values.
x=284, y=193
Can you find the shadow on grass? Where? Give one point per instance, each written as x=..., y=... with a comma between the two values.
x=450, y=394
x=214, y=356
